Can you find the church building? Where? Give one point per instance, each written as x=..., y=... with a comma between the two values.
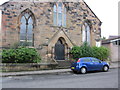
x=53, y=27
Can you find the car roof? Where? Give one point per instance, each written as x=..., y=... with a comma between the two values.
x=85, y=57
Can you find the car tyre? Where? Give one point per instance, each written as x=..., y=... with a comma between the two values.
x=105, y=68
x=83, y=70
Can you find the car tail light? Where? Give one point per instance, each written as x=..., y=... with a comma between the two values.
x=78, y=60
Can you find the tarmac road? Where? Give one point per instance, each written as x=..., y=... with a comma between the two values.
x=64, y=80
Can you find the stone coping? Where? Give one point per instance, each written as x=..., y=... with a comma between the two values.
x=4, y=64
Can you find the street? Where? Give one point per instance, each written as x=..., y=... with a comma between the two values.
x=64, y=80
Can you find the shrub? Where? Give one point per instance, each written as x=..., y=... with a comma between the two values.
x=75, y=52
x=85, y=50
x=20, y=55
x=101, y=53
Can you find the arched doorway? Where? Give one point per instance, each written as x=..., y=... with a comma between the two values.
x=60, y=50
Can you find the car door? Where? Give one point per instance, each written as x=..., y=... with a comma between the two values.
x=97, y=65
x=88, y=63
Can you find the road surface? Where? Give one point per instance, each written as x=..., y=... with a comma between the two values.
x=64, y=80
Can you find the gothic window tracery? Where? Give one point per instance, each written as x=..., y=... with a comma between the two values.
x=26, y=29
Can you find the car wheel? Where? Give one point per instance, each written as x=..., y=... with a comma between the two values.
x=83, y=70
x=105, y=68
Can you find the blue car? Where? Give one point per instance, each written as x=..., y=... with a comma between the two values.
x=83, y=65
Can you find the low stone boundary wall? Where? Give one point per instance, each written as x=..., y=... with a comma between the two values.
x=25, y=66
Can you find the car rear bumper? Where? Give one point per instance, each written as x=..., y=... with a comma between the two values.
x=75, y=68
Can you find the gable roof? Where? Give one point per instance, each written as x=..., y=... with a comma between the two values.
x=107, y=41
x=92, y=11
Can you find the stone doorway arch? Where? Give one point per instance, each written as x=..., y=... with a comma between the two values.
x=60, y=49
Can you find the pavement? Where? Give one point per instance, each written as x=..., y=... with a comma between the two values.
x=43, y=72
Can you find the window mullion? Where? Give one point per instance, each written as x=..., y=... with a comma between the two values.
x=26, y=30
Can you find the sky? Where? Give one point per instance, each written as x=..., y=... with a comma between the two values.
x=106, y=11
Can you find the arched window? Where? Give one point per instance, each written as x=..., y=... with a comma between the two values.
x=86, y=33
x=59, y=15
x=26, y=29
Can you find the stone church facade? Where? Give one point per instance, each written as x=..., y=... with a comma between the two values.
x=53, y=27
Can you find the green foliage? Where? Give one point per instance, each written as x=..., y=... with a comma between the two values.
x=101, y=53
x=75, y=52
x=85, y=50
x=20, y=55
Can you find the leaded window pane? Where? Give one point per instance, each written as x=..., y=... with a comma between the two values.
x=23, y=28
x=83, y=34
x=30, y=21
x=55, y=15
x=55, y=8
x=60, y=19
x=27, y=15
x=55, y=18
x=88, y=33
x=23, y=32
x=64, y=22
x=23, y=20
x=26, y=30
x=60, y=8
x=29, y=33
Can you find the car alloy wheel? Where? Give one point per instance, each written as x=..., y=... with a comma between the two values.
x=83, y=70
x=105, y=68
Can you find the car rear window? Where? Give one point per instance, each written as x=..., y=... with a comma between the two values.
x=86, y=60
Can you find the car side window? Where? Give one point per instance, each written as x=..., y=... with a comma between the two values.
x=86, y=60
x=95, y=60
